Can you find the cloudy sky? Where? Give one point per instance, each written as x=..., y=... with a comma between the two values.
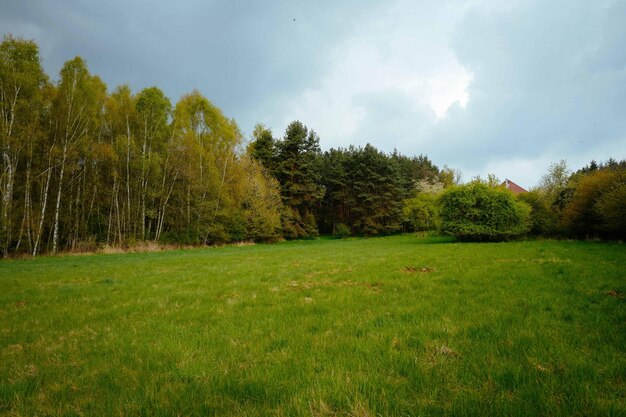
x=485, y=86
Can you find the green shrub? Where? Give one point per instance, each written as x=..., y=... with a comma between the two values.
x=421, y=212
x=478, y=212
x=342, y=230
x=543, y=220
x=611, y=206
x=597, y=206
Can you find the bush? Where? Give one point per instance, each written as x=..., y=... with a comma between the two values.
x=478, y=212
x=342, y=230
x=543, y=220
x=421, y=212
x=612, y=208
x=597, y=205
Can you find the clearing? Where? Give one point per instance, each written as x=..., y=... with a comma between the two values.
x=394, y=326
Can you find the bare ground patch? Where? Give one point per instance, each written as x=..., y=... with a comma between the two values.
x=417, y=269
x=299, y=286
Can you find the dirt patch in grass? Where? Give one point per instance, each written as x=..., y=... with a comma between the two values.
x=12, y=349
x=297, y=286
x=414, y=269
x=328, y=272
x=447, y=351
x=615, y=294
x=549, y=260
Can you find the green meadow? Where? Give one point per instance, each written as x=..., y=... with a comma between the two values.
x=393, y=326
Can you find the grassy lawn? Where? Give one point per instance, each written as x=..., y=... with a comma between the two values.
x=396, y=326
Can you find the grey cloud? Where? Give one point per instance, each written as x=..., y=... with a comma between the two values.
x=394, y=116
x=236, y=53
x=549, y=79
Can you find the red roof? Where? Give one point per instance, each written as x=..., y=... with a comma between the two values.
x=514, y=188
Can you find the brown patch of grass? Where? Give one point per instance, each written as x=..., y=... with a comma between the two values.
x=321, y=409
x=296, y=286
x=31, y=371
x=11, y=349
x=359, y=410
x=413, y=269
x=395, y=343
x=244, y=243
x=447, y=351
x=615, y=294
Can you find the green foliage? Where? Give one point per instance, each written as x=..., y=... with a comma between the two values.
x=611, y=207
x=80, y=165
x=422, y=212
x=554, y=185
x=365, y=189
x=260, y=202
x=597, y=207
x=22, y=110
x=478, y=212
x=298, y=172
x=342, y=230
x=543, y=220
x=263, y=147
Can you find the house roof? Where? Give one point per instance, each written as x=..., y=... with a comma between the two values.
x=514, y=188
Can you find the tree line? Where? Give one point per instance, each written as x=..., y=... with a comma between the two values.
x=83, y=167
x=354, y=190
x=587, y=204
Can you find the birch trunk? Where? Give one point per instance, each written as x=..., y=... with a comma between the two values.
x=44, y=199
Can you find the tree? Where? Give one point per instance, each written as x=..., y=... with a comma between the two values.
x=338, y=201
x=76, y=110
x=543, y=220
x=554, y=185
x=298, y=172
x=122, y=121
x=153, y=111
x=21, y=106
x=421, y=211
x=378, y=192
x=204, y=151
x=596, y=207
x=611, y=207
x=260, y=201
x=263, y=147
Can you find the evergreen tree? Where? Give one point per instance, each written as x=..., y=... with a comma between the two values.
x=378, y=192
x=263, y=147
x=298, y=172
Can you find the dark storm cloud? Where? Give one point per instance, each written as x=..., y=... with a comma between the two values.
x=534, y=81
x=237, y=53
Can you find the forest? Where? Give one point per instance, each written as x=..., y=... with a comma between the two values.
x=83, y=167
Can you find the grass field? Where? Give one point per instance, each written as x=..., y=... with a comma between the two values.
x=396, y=326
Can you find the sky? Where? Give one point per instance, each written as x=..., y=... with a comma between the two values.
x=482, y=86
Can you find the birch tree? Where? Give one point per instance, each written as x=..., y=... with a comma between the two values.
x=21, y=80
x=153, y=111
x=76, y=110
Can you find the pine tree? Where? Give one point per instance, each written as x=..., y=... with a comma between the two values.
x=298, y=172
